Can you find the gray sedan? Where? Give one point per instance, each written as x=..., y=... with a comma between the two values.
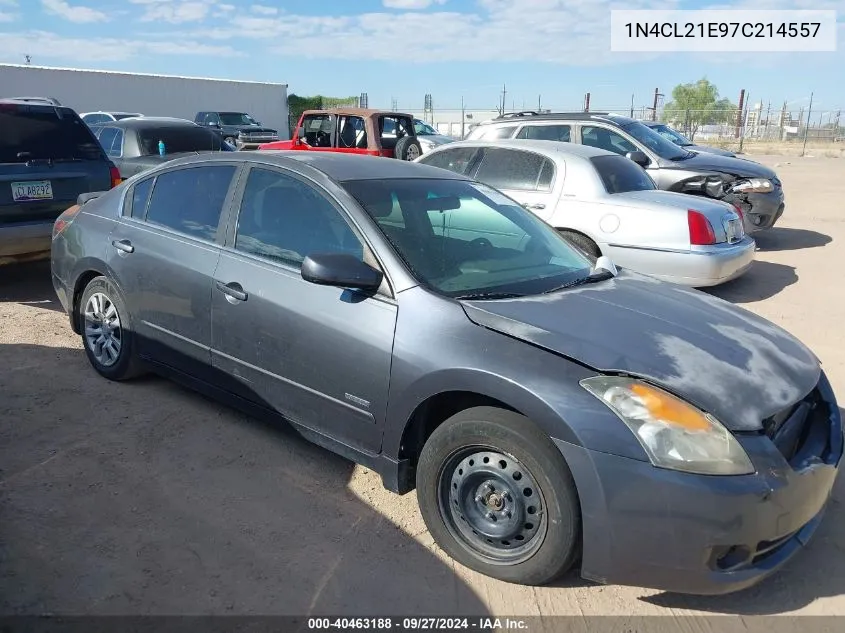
x=608, y=205
x=547, y=411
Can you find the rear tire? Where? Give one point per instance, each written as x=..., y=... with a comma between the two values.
x=107, y=333
x=583, y=243
x=498, y=497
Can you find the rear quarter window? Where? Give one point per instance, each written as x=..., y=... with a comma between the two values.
x=620, y=175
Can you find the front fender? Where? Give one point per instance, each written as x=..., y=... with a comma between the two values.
x=538, y=384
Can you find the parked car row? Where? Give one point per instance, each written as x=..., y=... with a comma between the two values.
x=550, y=409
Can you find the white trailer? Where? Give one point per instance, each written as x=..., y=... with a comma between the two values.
x=152, y=95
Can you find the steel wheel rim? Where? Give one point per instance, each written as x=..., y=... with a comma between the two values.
x=103, y=332
x=491, y=503
x=413, y=152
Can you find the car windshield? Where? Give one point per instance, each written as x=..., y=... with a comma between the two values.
x=236, y=118
x=37, y=132
x=655, y=142
x=187, y=138
x=424, y=129
x=466, y=240
x=666, y=132
x=620, y=175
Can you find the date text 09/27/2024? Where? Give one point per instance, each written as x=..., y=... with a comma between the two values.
x=416, y=624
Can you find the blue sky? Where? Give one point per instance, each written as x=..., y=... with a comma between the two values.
x=400, y=49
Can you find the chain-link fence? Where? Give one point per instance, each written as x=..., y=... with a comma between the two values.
x=756, y=127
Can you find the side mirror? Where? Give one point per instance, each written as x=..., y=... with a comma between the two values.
x=340, y=270
x=300, y=132
x=639, y=157
x=604, y=263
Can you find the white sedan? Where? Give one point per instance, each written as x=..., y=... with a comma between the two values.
x=606, y=204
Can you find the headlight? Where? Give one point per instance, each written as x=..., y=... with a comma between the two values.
x=673, y=433
x=753, y=185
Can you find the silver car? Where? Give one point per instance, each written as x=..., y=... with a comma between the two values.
x=608, y=205
x=682, y=141
x=429, y=137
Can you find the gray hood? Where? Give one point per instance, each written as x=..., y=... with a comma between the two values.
x=725, y=360
x=709, y=150
x=435, y=139
x=740, y=167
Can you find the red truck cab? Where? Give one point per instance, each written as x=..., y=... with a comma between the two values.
x=353, y=131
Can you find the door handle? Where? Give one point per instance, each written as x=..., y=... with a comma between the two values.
x=537, y=205
x=232, y=289
x=123, y=245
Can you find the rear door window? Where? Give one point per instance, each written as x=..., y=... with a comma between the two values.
x=513, y=169
x=190, y=201
x=560, y=133
x=351, y=133
x=32, y=132
x=140, y=197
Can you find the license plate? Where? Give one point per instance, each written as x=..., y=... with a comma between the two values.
x=32, y=190
x=734, y=230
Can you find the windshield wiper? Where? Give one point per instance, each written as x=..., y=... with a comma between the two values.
x=491, y=295
x=599, y=275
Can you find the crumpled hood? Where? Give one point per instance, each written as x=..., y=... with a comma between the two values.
x=710, y=150
x=725, y=360
x=740, y=167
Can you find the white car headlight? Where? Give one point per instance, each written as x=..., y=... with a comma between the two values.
x=753, y=185
x=673, y=433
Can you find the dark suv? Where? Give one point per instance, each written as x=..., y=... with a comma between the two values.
x=239, y=129
x=752, y=188
x=48, y=156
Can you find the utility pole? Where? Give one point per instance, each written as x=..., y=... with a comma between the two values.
x=539, y=103
x=463, y=118
x=739, y=112
x=394, y=104
x=657, y=95
x=743, y=119
x=504, y=96
x=587, y=102
x=768, y=114
x=807, y=128
x=632, y=106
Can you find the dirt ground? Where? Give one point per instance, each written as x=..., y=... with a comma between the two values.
x=144, y=498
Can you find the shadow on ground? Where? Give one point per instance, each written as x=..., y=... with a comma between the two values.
x=816, y=572
x=29, y=284
x=762, y=281
x=143, y=498
x=785, y=239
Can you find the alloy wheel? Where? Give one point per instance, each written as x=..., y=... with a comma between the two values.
x=103, y=333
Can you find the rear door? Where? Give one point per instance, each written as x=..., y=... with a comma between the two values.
x=48, y=156
x=163, y=253
x=527, y=177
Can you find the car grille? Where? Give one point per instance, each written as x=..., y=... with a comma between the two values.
x=801, y=431
x=259, y=138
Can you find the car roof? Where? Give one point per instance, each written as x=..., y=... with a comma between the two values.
x=552, y=149
x=362, y=112
x=148, y=122
x=337, y=166
x=531, y=117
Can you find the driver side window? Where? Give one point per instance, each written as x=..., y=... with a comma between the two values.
x=603, y=138
x=318, y=130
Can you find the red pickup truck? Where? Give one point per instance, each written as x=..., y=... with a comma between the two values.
x=353, y=131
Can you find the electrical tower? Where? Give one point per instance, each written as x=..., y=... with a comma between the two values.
x=428, y=109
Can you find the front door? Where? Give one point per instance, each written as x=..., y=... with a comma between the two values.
x=318, y=355
x=163, y=253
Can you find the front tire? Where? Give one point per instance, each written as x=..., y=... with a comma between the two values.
x=498, y=497
x=107, y=334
